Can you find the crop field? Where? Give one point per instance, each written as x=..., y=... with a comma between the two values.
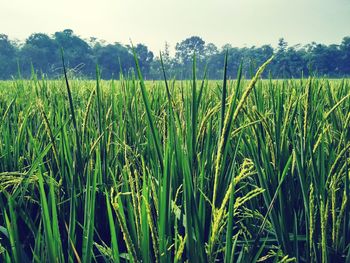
x=243, y=170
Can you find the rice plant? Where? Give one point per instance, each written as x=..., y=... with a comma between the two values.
x=243, y=170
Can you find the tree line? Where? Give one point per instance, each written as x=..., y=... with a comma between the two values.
x=41, y=53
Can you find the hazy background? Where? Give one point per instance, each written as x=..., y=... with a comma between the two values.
x=152, y=22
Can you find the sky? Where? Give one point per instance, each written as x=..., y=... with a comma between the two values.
x=154, y=22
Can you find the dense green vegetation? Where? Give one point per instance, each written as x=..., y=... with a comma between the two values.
x=168, y=171
x=42, y=51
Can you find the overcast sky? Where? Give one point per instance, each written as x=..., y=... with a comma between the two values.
x=152, y=22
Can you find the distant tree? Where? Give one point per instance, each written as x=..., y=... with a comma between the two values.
x=184, y=52
x=113, y=58
x=345, y=56
x=210, y=50
x=41, y=51
x=281, y=67
x=255, y=56
x=334, y=56
x=265, y=52
x=170, y=64
x=7, y=57
x=145, y=58
x=186, y=48
x=166, y=53
x=282, y=45
x=323, y=59
x=78, y=54
x=215, y=65
x=167, y=59
x=297, y=61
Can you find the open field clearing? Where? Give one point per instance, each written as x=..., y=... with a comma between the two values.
x=172, y=171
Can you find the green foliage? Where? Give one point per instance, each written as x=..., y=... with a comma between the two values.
x=201, y=170
x=41, y=52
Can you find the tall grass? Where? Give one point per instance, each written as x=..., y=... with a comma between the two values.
x=200, y=171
